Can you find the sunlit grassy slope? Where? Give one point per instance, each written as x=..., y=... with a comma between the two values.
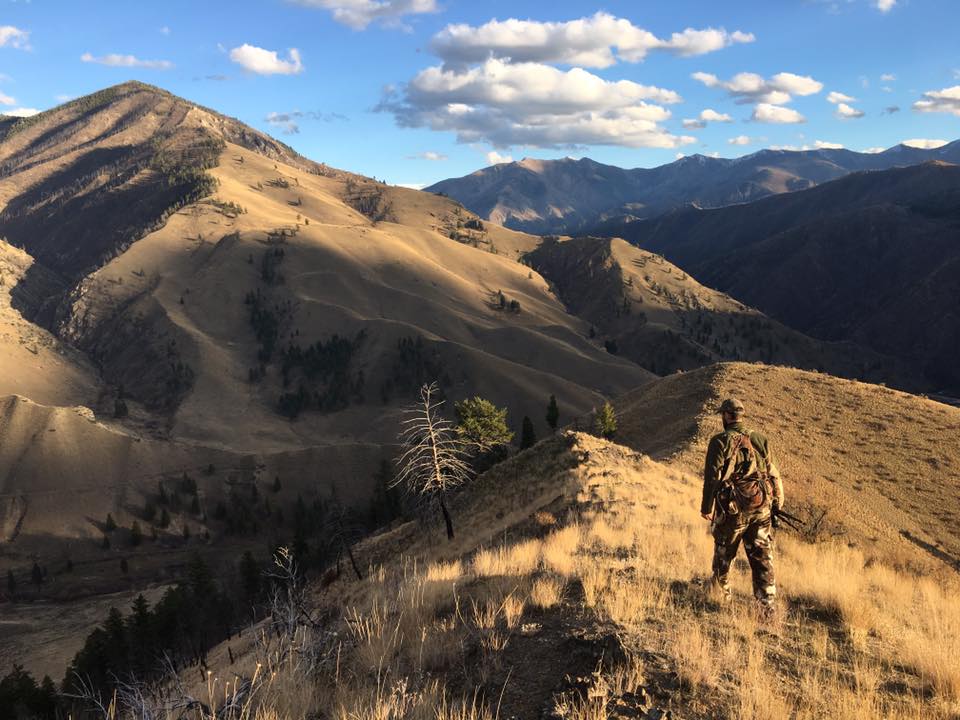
x=576, y=586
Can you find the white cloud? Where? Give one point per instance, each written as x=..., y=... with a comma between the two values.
x=266, y=62
x=6, y=99
x=767, y=113
x=888, y=77
x=412, y=186
x=752, y=88
x=680, y=156
x=11, y=36
x=358, y=14
x=165, y=30
x=431, y=155
x=838, y=97
x=845, y=112
x=587, y=42
x=873, y=150
x=706, y=116
x=884, y=6
x=20, y=112
x=495, y=158
x=286, y=122
x=740, y=140
x=824, y=145
x=507, y=104
x=116, y=60
x=924, y=144
x=946, y=101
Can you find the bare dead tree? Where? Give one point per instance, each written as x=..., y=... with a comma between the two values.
x=433, y=461
x=343, y=533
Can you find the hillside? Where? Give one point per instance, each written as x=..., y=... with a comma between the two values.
x=649, y=310
x=213, y=338
x=573, y=196
x=870, y=259
x=575, y=586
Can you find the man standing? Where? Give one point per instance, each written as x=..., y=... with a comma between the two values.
x=741, y=486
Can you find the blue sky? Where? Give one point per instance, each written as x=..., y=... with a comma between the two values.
x=414, y=91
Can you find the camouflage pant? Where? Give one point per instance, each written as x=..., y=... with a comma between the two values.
x=754, y=530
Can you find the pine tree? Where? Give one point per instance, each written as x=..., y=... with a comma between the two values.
x=110, y=525
x=528, y=438
x=605, y=423
x=136, y=534
x=553, y=413
x=482, y=426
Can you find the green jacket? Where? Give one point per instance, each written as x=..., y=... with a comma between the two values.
x=717, y=467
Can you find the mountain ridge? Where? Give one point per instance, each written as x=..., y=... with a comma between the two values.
x=568, y=196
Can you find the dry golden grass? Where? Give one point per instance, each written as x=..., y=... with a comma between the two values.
x=855, y=639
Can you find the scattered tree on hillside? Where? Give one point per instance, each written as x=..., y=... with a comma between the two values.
x=432, y=461
x=482, y=426
x=110, y=524
x=528, y=437
x=553, y=413
x=605, y=423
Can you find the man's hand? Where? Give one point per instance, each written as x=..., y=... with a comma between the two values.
x=707, y=516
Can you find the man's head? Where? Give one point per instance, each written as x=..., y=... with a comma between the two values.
x=732, y=411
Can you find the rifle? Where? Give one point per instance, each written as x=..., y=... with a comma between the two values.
x=778, y=516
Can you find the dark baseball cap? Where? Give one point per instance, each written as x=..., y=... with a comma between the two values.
x=732, y=406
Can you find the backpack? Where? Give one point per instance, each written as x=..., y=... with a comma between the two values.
x=746, y=482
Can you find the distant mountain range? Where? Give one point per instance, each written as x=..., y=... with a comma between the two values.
x=572, y=196
x=872, y=258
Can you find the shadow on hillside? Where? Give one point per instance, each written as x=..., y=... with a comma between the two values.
x=931, y=549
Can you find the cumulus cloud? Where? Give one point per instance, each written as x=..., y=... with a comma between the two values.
x=924, y=144
x=495, y=158
x=20, y=112
x=506, y=104
x=945, y=101
x=266, y=62
x=289, y=124
x=748, y=87
x=817, y=145
x=587, y=42
x=845, y=112
x=706, y=116
x=767, y=113
x=838, y=97
x=6, y=99
x=412, y=186
x=873, y=150
x=888, y=77
x=884, y=6
x=428, y=155
x=359, y=14
x=740, y=140
x=14, y=37
x=116, y=60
